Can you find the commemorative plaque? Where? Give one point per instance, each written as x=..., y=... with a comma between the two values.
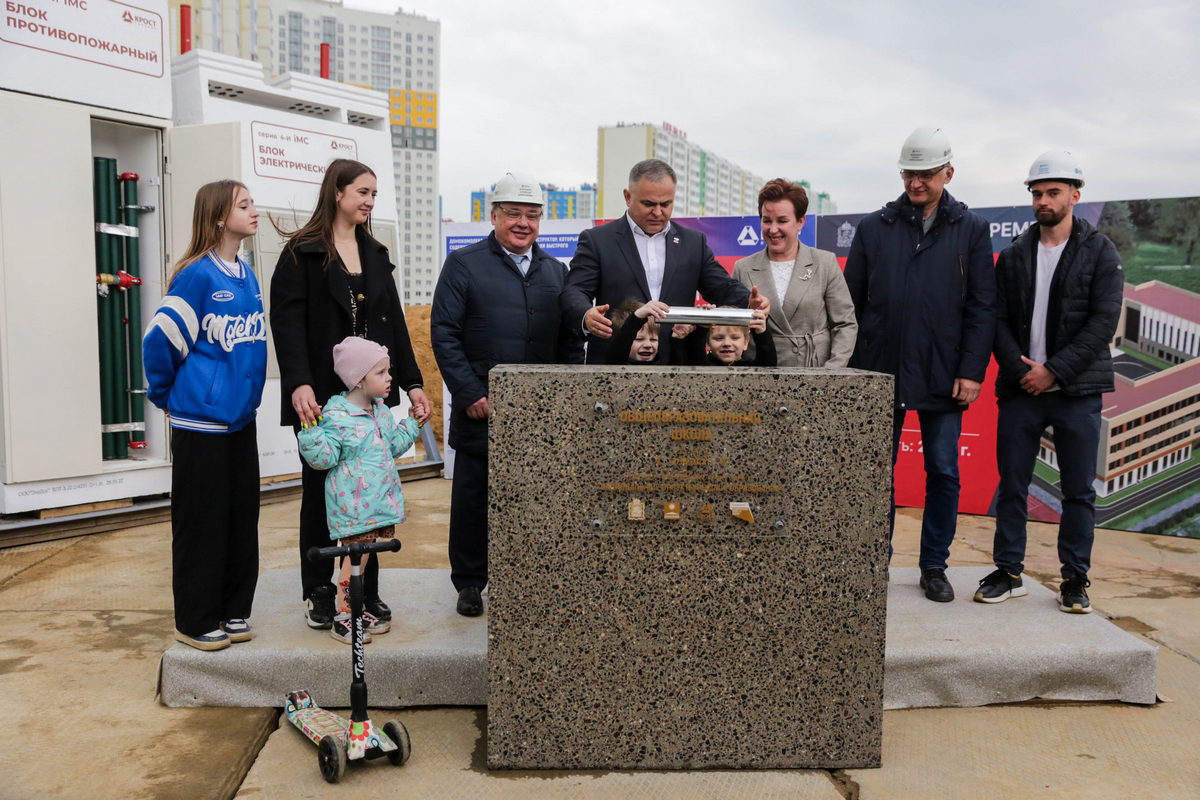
x=688, y=567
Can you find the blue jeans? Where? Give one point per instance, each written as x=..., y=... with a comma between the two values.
x=1076, y=424
x=939, y=441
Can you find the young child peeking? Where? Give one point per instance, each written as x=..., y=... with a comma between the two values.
x=635, y=340
x=727, y=345
x=358, y=440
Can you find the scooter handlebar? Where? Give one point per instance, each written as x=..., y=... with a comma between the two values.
x=355, y=549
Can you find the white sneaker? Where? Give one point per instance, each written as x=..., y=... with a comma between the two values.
x=342, y=630
x=238, y=630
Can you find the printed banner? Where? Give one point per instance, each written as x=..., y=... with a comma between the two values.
x=1148, y=473
x=293, y=154
x=99, y=52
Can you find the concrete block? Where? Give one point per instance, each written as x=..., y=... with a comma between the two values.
x=688, y=567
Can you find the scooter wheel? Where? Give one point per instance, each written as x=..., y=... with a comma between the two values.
x=396, y=731
x=331, y=755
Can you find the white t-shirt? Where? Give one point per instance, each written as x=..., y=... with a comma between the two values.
x=1047, y=262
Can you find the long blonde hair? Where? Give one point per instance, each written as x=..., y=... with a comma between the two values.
x=214, y=201
x=340, y=173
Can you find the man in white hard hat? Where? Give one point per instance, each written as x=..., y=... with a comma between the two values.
x=644, y=256
x=1059, y=287
x=921, y=278
x=496, y=302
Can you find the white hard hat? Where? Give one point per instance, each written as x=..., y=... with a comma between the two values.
x=1055, y=165
x=517, y=189
x=925, y=148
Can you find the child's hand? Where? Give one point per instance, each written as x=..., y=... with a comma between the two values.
x=655, y=308
x=759, y=323
x=682, y=330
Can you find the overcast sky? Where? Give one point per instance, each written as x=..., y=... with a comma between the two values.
x=824, y=91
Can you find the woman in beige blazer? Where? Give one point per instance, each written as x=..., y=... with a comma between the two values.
x=812, y=317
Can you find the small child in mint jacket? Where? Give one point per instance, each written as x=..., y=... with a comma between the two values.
x=358, y=440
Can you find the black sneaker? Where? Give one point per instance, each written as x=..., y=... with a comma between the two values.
x=936, y=587
x=377, y=608
x=999, y=586
x=470, y=601
x=319, y=611
x=1072, y=595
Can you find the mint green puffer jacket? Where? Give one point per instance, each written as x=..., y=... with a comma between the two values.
x=359, y=448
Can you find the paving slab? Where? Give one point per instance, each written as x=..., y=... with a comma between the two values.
x=1047, y=751
x=972, y=654
x=938, y=654
x=449, y=761
x=432, y=656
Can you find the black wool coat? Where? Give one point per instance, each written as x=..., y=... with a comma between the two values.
x=311, y=312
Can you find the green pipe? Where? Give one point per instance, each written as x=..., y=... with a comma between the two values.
x=133, y=395
x=120, y=368
x=100, y=200
x=133, y=300
x=108, y=260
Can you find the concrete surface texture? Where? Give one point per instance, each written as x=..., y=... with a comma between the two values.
x=974, y=654
x=87, y=619
x=635, y=621
x=431, y=657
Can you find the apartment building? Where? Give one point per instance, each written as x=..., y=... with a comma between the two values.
x=558, y=203
x=397, y=54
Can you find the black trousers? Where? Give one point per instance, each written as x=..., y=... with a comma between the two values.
x=314, y=532
x=469, y=521
x=214, y=527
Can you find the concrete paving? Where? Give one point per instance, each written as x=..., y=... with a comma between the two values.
x=88, y=618
x=430, y=657
x=967, y=654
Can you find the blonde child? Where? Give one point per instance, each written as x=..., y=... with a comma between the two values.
x=205, y=355
x=727, y=344
x=357, y=440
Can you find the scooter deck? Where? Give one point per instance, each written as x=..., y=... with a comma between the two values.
x=360, y=739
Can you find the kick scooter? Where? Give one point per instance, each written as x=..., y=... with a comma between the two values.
x=338, y=739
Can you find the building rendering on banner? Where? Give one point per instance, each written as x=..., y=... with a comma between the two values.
x=397, y=54
x=558, y=203
x=1151, y=423
x=708, y=185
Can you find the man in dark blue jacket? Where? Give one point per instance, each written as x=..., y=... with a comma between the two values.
x=1060, y=288
x=496, y=302
x=921, y=277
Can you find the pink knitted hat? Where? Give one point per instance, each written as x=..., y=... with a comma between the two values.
x=353, y=358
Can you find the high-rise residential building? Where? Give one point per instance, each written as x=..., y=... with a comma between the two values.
x=239, y=28
x=558, y=203
x=818, y=202
x=397, y=54
x=708, y=185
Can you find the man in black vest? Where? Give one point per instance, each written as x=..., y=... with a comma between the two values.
x=1059, y=288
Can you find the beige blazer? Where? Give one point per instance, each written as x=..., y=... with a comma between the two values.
x=813, y=324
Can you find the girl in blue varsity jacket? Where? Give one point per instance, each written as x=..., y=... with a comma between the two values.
x=205, y=354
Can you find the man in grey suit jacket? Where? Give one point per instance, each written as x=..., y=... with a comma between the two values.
x=643, y=256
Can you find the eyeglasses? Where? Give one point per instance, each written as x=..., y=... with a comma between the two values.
x=924, y=177
x=514, y=214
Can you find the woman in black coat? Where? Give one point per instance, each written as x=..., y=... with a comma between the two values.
x=334, y=280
